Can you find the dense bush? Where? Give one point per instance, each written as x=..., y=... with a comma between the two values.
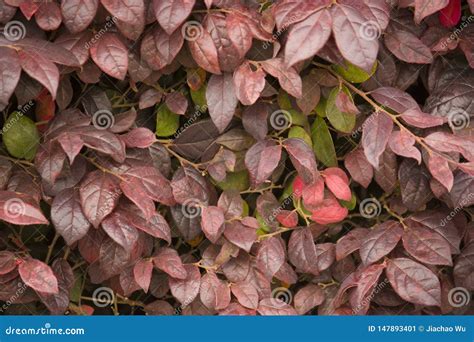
x=236, y=157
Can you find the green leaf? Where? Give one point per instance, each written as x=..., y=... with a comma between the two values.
x=299, y=132
x=323, y=144
x=350, y=204
x=354, y=74
x=263, y=225
x=343, y=122
x=20, y=136
x=321, y=107
x=284, y=100
x=235, y=181
x=199, y=97
x=167, y=122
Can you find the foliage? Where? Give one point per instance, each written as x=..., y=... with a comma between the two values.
x=236, y=157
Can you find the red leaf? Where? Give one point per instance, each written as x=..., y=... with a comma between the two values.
x=67, y=216
x=402, y=143
x=359, y=168
x=376, y=132
x=221, y=99
x=128, y=11
x=240, y=234
x=414, y=282
x=336, y=180
x=407, y=47
x=415, y=117
x=120, y=230
x=289, y=79
x=248, y=83
x=110, y=55
x=10, y=71
x=306, y=38
x=140, y=137
x=186, y=290
x=308, y=297
x=204, y=50
x=313, y=194
x=288, y=218
x=270, y=256
x=7, y=262
x=424, y=9
x=39, y=276
x=144, y=184
x=41, y=69
x=214, y=293
x=275, y=307
x=20, y=209
x=380, y=241
x=48, y=17
x=142, y=272
x=212, y=222
x=450, y=12
x=302, y=250
x=78, y=14
x=329, y=211
x=427, y=246
x=246, y=295
x=99, y=193
x=177, y=102
x=262, y=159
x=302, y=157
x=171, y=14
x=348, y=28
x=168, y=260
